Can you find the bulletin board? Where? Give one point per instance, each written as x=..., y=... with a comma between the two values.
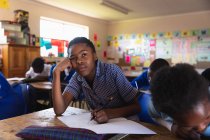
x=191, y=47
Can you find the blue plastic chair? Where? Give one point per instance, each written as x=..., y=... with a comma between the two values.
x=12, y=101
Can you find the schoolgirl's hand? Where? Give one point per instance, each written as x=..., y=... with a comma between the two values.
x=100, y=116
x=61, y=66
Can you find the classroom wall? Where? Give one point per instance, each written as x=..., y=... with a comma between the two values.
x=103, y=28
x=36, y=10
x=190, y=21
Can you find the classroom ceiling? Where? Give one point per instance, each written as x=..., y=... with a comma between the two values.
x=136, y=8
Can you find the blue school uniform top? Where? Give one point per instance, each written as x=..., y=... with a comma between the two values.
x=109, y=82
x=12, y=103
x=142, y=81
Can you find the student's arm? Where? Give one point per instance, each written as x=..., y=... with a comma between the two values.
x=106, y=114
x=28, y=73
x=164, y=123
x=141, y=81
x=60, y=101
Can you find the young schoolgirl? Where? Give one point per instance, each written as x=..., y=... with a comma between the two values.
x=104, y=86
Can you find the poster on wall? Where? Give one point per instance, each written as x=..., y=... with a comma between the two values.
x=189, y=50
x=176, y=56
x=184, y=50
x=164, y=48
x=203, y=51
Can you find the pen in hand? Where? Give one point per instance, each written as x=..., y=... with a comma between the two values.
x=101, y=108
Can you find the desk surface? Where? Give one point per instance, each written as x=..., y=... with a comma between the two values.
x=9, y=127
x=42, y=85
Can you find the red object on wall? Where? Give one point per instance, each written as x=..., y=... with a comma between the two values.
x=133, y=68
x=95, y=37
x=104, y=53
x=59, y=43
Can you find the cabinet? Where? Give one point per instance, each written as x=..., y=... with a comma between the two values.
x=17, y=59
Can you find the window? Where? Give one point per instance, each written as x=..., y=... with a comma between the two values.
x=56, y=34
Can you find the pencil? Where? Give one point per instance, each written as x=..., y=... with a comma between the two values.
x=104, y=106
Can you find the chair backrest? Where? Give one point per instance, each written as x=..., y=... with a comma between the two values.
x=5, y=87
x=11, y=102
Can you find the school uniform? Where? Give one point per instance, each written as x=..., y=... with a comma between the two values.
x=12, y=102
x=142, y=81
x=46, y=72
x=109, y=82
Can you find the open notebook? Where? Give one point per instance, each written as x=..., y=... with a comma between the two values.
x=77, y=118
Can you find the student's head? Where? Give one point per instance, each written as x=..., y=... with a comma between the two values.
x=156, y=65
x=82, y=54
x=182, y=93
x=206, y=74
x=38, y=64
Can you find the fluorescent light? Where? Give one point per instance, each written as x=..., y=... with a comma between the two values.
x=115, y=6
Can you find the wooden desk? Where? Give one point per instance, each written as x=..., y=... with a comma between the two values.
x=9, y=127
x=42, y=85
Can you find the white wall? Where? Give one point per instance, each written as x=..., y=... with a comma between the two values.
x=190, y=21
x=102, y=28
x=36, y=10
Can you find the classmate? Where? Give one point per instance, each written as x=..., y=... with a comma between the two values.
x=181, y=93
x=38, y=69
x=143, y=80
x=103, y=85
x=12, y=101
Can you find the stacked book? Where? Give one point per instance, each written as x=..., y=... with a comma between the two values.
x=11, y=33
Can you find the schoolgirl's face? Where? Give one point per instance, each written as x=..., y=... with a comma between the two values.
x=83, y=59
x=197, y=119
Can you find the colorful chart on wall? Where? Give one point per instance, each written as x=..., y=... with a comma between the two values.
x=53, y=47
x=184, y=50
x=179, y=46
x=203, y=50
x=164, y=48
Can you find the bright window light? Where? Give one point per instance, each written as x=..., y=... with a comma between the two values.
x=61, y=31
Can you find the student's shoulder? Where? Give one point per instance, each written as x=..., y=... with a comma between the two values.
x=111, y=67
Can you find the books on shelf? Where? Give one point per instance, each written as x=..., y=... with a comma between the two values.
x=10, y=32
x=9, y=26
x=16, y=40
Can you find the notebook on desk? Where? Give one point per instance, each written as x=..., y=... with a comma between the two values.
x=113, y=126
